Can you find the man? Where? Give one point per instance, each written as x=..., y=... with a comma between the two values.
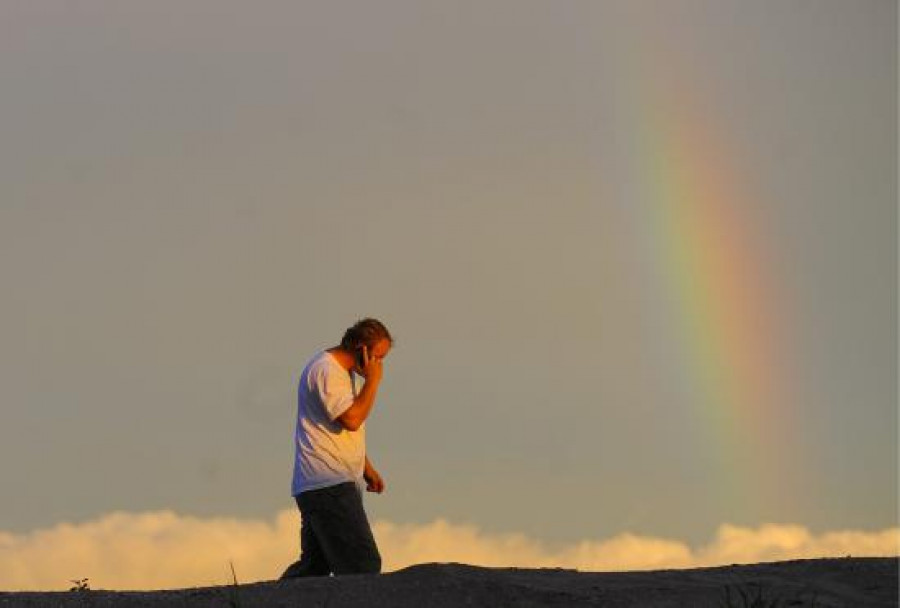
x=331, y=461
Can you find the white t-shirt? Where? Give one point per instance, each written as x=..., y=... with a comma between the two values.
x=326, y=453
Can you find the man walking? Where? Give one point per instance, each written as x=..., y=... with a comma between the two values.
x=331, y=461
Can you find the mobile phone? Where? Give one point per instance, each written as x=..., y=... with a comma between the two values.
x=360, y=363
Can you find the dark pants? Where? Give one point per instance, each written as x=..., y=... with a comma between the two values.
x=334, y=534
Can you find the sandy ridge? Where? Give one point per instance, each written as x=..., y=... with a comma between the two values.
x=824, y=583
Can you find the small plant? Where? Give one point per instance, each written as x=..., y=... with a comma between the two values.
x=753, y=595
x=233, y=598
x=80, y=585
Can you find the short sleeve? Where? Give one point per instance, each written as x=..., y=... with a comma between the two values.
x=335, y=390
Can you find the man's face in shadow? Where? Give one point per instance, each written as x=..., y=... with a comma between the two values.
x=378, y=351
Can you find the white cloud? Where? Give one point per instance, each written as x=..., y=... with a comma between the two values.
x=162, y=549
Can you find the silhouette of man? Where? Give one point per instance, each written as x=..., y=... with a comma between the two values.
x=330, y=459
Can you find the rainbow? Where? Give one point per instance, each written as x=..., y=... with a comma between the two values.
x=690, y=209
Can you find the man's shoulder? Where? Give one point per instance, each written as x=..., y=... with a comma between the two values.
x=323, y=363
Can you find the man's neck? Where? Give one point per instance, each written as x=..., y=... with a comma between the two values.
x=344, y=358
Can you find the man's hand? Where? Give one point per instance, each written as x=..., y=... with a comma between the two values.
x=372, y=368
x=374, y=482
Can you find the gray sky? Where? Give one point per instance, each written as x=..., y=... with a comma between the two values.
x=198, y=196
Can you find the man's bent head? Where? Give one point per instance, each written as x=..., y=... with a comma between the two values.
x=367, y=332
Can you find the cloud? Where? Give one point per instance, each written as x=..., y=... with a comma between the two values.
x=162, y=549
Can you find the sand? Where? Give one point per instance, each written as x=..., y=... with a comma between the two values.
x=845, y=582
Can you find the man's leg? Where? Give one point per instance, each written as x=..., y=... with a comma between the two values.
x=342, y=529
x=312, y=560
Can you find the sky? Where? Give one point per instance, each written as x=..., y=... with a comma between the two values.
x=639, y=258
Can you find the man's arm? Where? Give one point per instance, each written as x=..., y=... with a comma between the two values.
x=357, y=413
